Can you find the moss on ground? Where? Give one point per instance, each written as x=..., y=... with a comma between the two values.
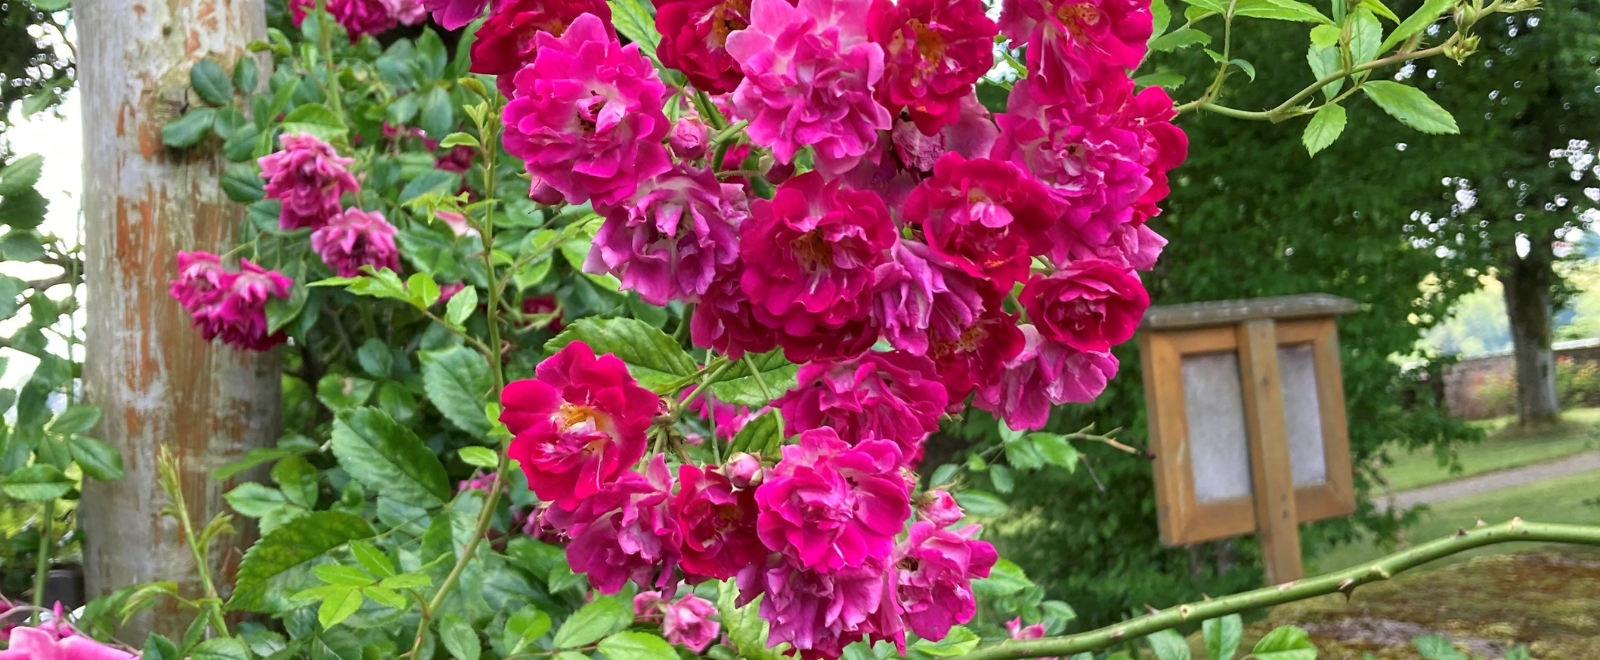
x=1548, y=600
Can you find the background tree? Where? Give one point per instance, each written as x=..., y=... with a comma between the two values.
x=36, y=59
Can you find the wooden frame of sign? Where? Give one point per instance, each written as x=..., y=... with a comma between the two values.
x=1254, y=335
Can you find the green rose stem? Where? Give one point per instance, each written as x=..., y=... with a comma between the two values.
x=167, y=467
x=1344, y=581
x=487, y=123
x=42, y=569
x=1290, y=108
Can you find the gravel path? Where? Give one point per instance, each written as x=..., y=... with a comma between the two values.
x=1493, y=481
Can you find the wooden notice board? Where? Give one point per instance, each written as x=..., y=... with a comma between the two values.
x=1245, y=401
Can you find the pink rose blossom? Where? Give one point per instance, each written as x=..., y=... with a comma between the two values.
x=918, y=299
x=726, y=417
x=544, y=306
x=1135, y=246
x=1019, y=631
x=880, y=396
x=809, y=74
x=624, y=531
x=669, y=240
x=818, y=613
x=718, y=522
x=229, y=305
x=688, y=621
x=979, y=355
x=356, y=238
x=1073, y=40
x=1045, y=373
x=1088, y=160
x=586, y=117
x=895, y=166
x=308, y=177
x=453, y=14
x=40, y=644
x=744, y=470
x=579, y=423
x=934, y=50
x=359, y=17
x=689, y=137
x=1150, y=113
x=983, y=216
x=509, y=40
x=937, y=567
x=725, y=319
x=939, y=507
x=694, y=36
x=407, y=12
x=1090, y=305
x=817, y=245
x=831, y=506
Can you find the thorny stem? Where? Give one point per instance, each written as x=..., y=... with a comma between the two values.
x=490, y=140
x=42, y=568
x=180, y=510
x=1289, y=108
x=1344, y=581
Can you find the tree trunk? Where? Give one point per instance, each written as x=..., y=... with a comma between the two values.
x=156, y=380
x=1528, y=281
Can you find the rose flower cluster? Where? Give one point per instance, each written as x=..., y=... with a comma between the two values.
x=307, y=177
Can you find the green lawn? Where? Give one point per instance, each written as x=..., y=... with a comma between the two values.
x=1556, y=500
x=1504, y=448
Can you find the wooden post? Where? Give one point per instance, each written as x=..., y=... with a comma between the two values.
x=149, y=371
x=1271, y=477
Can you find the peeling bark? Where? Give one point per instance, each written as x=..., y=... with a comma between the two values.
x=156, y=380
x=1528, y=281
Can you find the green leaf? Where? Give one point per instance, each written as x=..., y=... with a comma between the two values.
x=386, y=597
x=1160, y=17
x=280, y=312
x=254, y=500
x=1437, y=647
x=741, y=387
x=459, y=637
x=1168, y=645
x=461, y=305
x=1285, y=643
x=1024, y=455
x=372, y=559
x=957, y=642
x=601, y=617
x=343, y=576
x=744, y=626
x=51, y=5
x=1325, y=127
x=220, y=648
x=980, y=504
x=158, y=647
x=430, y=181
x=1281, y=10
x=1000, y=476
x=316, y=119
x=39, y=482
x=188, y=130
x=1324, y=36
x=75, y=419
x=341, y=393
x=375, y=358
x=437, y=114
x=1245, y=66
x=1005, y=578
x=1218, y=6
x=278, y=564
x=389, y=459
x=1411, y=106
x=36, y=103
x=1517, y=653
x=1324, y=62
x=21, y=174
x=526, y=625
x=479, y=457
x=635, y=22
x=211, y=82
x=255, y=457
x=1056, y=450
x=1222, y=636
x=653, y=357
x=457, y=381
x=761, y=435
x=424, y=292
x=629, y=645
x=1167, y=79
x=1377, y=7
x=97, y=459
x=1179, y=38
x=1418, y=21
x=457, y=140
x=1365, y=35
x=338, y=606
x=407, y=581
x=246, y=75
x=242, y=183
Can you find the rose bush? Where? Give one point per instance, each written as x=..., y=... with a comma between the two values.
x=675, y=296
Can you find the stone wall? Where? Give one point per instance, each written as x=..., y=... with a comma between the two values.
x=1469, y=384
